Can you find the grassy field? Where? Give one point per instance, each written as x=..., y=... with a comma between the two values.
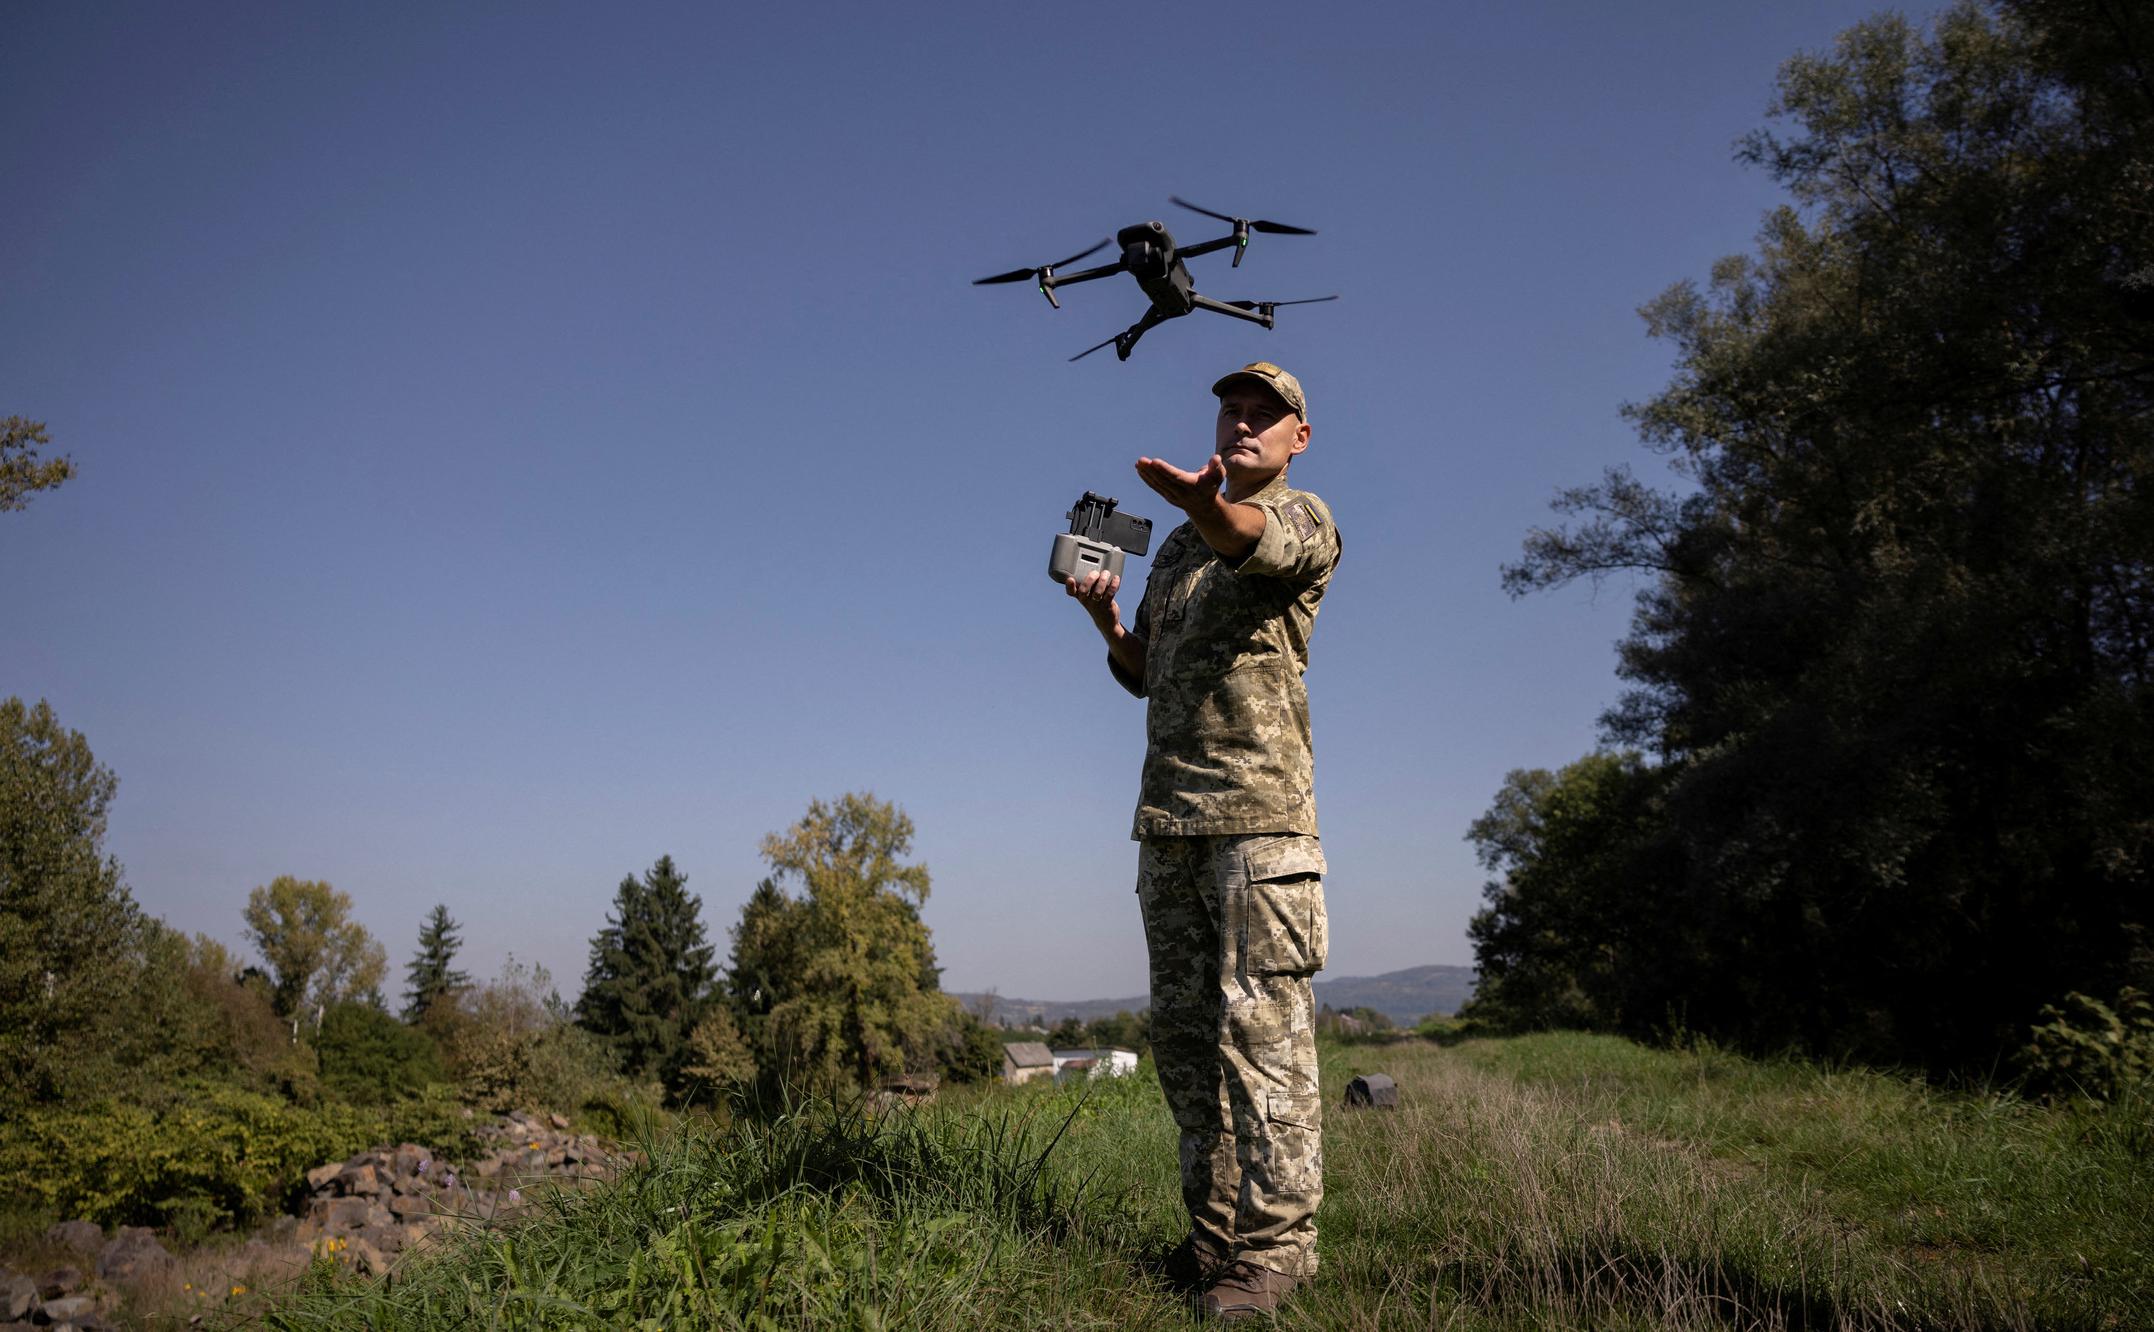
x=1557, y=1181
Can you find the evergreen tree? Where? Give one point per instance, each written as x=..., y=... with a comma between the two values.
x=650, y=976
x=430, y=974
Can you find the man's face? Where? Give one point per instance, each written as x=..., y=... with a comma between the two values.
x=1257, y=436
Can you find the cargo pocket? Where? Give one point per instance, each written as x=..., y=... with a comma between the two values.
x=1282, y=926
x=1297, y=1143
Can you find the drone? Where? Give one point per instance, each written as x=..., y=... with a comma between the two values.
x=1150, y=255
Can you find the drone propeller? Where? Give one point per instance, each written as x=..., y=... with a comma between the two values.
x=1043, y=275
x=1243, y=226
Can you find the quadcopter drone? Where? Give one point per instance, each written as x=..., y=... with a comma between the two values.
x=1150, y=256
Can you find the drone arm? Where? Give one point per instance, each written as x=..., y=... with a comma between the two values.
x=1257, y=316
x=1087, y=274
x=1204, y=247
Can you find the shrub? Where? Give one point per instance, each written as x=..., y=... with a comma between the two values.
x=223, y=1158
x=2085, y=1047
x=370, y=1058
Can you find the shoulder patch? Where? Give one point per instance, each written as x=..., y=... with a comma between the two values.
x=1301, y=516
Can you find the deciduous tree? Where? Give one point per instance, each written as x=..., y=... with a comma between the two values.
x=849, y=988
x=1896, y=647
x=316, y=953
x=70, y=933
x=21, y=473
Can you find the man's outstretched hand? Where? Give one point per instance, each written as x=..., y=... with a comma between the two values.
x=1187, y=491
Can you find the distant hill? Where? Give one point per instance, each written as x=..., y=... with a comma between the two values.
x=1403, y=996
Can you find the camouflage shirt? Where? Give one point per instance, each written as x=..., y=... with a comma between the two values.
x=1227, y=725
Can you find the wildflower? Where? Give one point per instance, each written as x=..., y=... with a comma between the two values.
x=516, y=1195
x=239, y=1290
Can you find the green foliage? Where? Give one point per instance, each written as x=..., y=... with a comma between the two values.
x=20, y=471
x=970, y=1050
x=206, y=1020
x=368, y=1057
x=511, y=1046
x=838, y=986
x=2084, y=1047
x=1553, y=1181
x=717, y=1056
x=316, y=953
x=1571, y=936
x=232, y=1157
x=650, y=975
x=1894, y=655
x=431, y=973
x=70, y=932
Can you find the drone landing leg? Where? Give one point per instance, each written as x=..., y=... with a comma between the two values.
x=1126, y=340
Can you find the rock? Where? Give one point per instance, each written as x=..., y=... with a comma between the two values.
x=410, y=1160
x=341, y=1213
x=359, y=1180
x=17, y=1297
x=68, y=1309
x=367, y=1258
x=386, y=1237
x=133, y=1255
x=84, y=1237
x=318, y=1178
x=405, y=1204
x=59, y=1281
x=559, y=1121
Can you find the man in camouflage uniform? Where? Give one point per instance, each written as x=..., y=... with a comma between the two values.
x=1230, y=873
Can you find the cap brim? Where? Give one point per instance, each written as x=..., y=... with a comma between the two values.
x=1219, y=390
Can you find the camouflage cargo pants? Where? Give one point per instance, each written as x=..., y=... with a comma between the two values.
x=1235, y=927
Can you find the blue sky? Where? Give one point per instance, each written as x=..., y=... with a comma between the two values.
x=518, y=441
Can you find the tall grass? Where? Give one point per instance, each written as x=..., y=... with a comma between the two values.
x=1548, y=1182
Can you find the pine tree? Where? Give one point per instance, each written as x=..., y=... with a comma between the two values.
x=429, y=975
x=650, y=976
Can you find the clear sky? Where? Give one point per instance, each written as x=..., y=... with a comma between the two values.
x=517, y=441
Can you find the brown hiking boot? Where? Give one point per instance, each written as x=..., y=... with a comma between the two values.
x=1246, y=1290
x=1191, y=1266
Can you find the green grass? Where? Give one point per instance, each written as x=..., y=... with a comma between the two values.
x=1544, y=1182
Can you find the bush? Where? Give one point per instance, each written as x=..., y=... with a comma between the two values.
x=224, y=1158
x=2085, y=1047
x=511, y=1046
x=370, y=1058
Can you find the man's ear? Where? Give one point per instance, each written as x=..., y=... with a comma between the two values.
x=1301, y=440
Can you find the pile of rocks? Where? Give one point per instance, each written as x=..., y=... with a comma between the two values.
x=367, y=1210
x=63, y=1298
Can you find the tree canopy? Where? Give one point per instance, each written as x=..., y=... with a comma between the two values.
x=1892, y=652
x=833, y=978
x=316, y=953
x=21, y=471
x=69, y=929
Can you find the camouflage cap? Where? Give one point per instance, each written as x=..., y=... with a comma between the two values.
x=1272, y=377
